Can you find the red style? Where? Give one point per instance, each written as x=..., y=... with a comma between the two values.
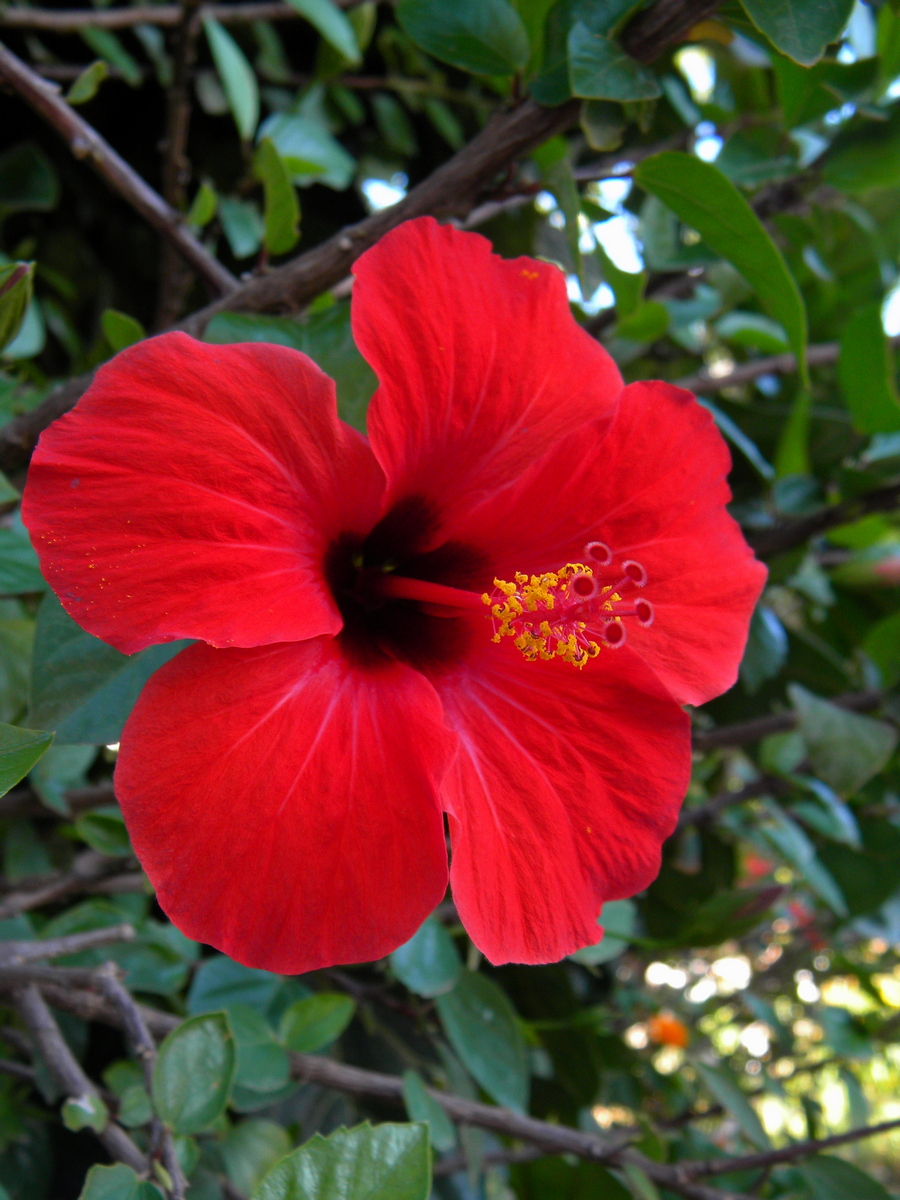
x=284, y=780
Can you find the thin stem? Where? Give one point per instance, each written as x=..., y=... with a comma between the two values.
x=71, y=20
x=85, y=142
x=398, y=587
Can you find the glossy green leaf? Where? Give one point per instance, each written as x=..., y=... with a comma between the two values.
x=384, y=1162
x=332, y=24
x=618, y=919
x=428, y=964
x=194, y=1072
x=702, y=197
x=282, y=209
x=121, y=330
x=236, y=75
x=221, y=983
x=882, y=644
x=262, y=1064
x=203, y=206
x=486, y=37
x=242, y=225
x=845, y=748
x=726, y=1089
x=794, y=845
x=766, y=649
x=832, y=1178
x=422, y=1107
x=20, y=571
x=801, y=29
x=117, y=1183
x=314, y=1023
x=85, y=1112
x=16, y=290
x=864, y=155
x=104, y=831
x=481, y=1025
x=867, y=374
x=251, y=1149
x=109, y=47
x=599, y=69
x=20, y=749
x=753, y=331
x=309, y=151
x=88, y=83
x=81, y=687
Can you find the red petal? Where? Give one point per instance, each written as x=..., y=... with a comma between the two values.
x=192, y=493
x=481, y=364
x=565, y=785
x=284, y=803
x=653, y=488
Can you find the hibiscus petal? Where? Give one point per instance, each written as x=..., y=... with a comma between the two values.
x=652, y=487
x=564, y=787
x=480, y=362
x=283, y=801
x=193, y=492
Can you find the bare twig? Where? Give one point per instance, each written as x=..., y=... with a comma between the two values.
x=771, y=1158
x=760, y=727
x=787, y=535
x=18, y=953
x=64, y=1068
x=700, y=814
x=85, y=142
x=142, y=1044
x=73, y=19
x=17, y=1070
x=24, y=802
x=87, y=868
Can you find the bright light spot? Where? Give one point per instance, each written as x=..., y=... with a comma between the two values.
x=668, y=1060
x=888, y=988
x=806, y=1029
x=708, y=148
x=545, y=202
x=773, y=1113
x=890, y=310
x=602, y=298
x=113, y=747
x=833, y=1098
x=846, y=54
x=636, y=1036
x=783, y=1068
x=821, y=962
x=617, y=238
x=769, y=385
x=382, y=193
x=557, y=220
x=845, y=992
x=753, y=1067
x=702, y=990
x=807, y=991
x=861, y=31
x=756, y=1039
x=659, y=974
x=809, y=144
x=838, y=115
x=611, y=193
x=698, y=67
x=894, y=90
x=607, y=1115
x=720, y=364
x=733, y=973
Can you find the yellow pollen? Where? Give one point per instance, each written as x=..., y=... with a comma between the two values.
x=541, y=639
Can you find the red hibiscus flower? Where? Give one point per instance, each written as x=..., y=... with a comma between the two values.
x=284, y=780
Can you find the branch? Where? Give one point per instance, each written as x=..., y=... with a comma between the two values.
x=710, y=809
x=142, y=1044
x=760, y=727
x=87, y=868
x=14, y=954
x=68, y=1074
x=771, y=1158
x=71, y=20
x=85, y=142
x=787, y=535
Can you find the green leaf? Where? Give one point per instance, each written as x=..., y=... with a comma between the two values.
x=121, y=330
x=793, y=844
x=16, y=289
x=753, y=331
x=705, y=200
x=724, y=1086
x=61, y=768
x=648, y=322
x=88, y=83
x=20, y=571
x=236, y=75
x=242, y=225
x=282, y=209
x=387, y=1162
x=309, y=151
x=20, y=749
x=599, y=69
x=421, y=1107
x=766, y=649
x=194, y=1072
x=203, y=206
x=135, y=1108
x=81, y=687
x=866, y=373
x=618, y=919
x=865, y=154
x=485, y=37
x=845, y=748
x=332, y=25
x=104, y=831
x=830, y=1178
x=801, y=29
x=117, y=1183
x=482, y=1027
x=221, y=983
x=262, y=1064
x=393, y=124
x=28, y=181
x=85, y=1112
x=251, y=1149
x=107, y=45
x=325, y=336
x=882, y=644
x=311, y=1024
x=428, y=964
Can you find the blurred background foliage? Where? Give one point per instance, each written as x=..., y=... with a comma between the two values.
x=724, y=214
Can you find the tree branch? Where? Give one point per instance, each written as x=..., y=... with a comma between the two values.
x=64, y=1068
x=85, y=142
x=787, y=535
x=760, y=727
x=18, y=953
x=87, y=868
x=71, y=20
